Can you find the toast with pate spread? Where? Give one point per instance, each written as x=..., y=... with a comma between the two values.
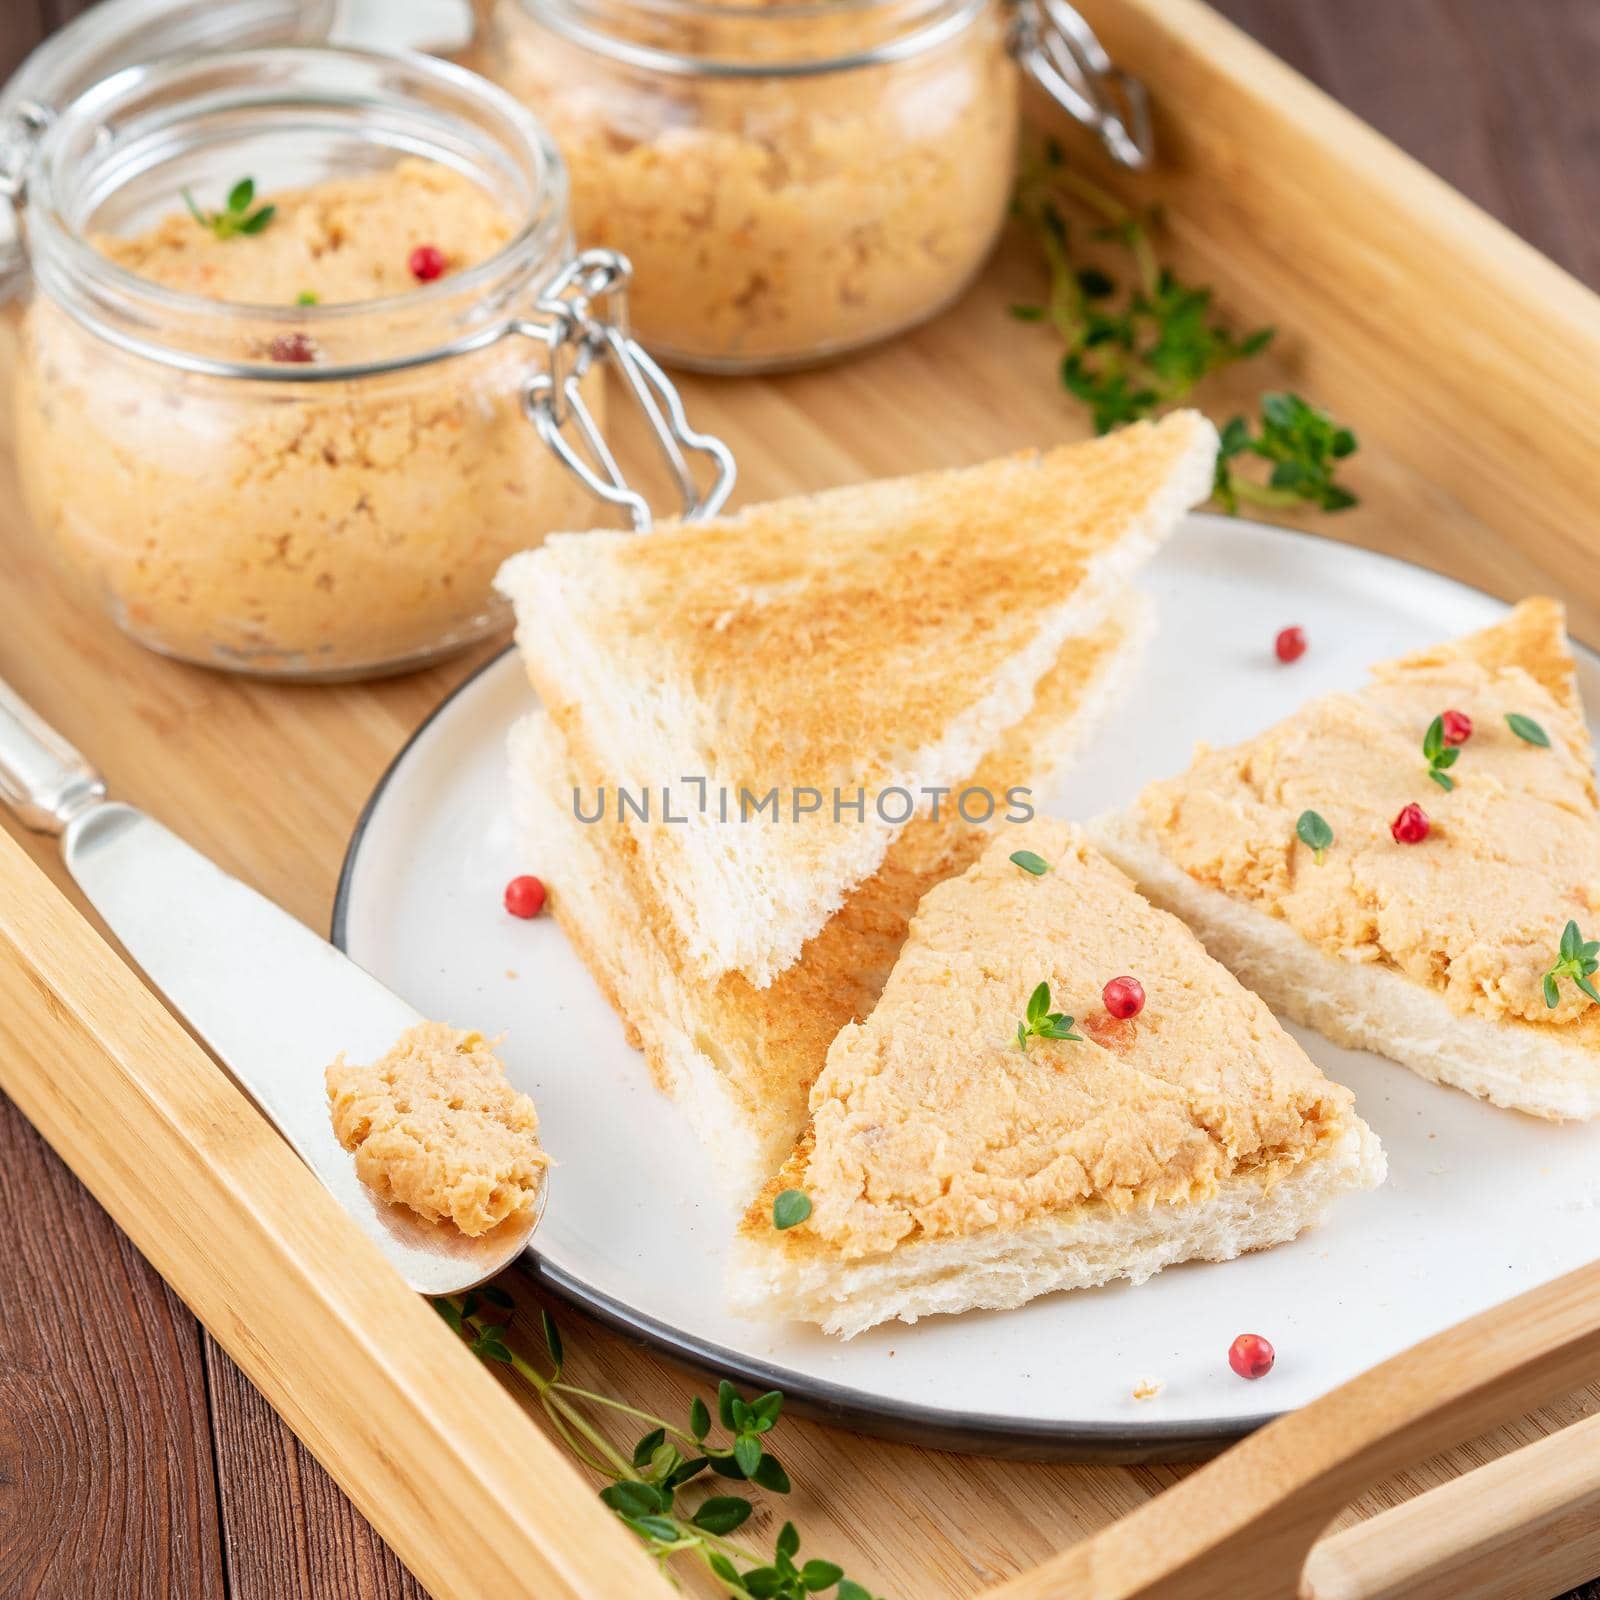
x=739, y=1060
x=1443, y=912
x=869, y=644
x=975, y=1143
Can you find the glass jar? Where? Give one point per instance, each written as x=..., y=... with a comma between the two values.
x=793, y=181
x=320, y=490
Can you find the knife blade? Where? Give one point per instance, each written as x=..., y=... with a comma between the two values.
x=274, y=1002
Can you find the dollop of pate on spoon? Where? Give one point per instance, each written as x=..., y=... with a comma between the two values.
x=436, y=1126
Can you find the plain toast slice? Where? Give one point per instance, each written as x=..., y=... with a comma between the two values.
x=868, y=644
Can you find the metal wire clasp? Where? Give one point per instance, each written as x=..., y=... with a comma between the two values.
x=583, y=318
x=22, y=126
x=1060, y=52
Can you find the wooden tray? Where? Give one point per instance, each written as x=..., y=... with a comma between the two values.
x=1470, y=366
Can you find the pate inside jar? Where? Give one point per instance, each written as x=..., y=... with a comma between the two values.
x=791, y=181
x=292, y=441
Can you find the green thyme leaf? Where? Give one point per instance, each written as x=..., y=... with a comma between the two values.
x=791, y=1207
x=726, y=1395
x=662, y=1529
x=849, y=1589
x=1029, y=862
x=552, y=1338
x=241, y=194
x=747, y=1453
x=647, y=1445
x=450, y=1312
x=722, y=1513
x=770, y=1475
x=685, y=1470
x=1315, y=834
x=788, y=1540
x=633, y=1498
x=699, y=1418
x=1527, y=730
x=306, y=297
x=817, y=1575
x=1038, y=1003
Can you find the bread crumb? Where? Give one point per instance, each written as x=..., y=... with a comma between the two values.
x=435, y=1126
x=1148, y=1388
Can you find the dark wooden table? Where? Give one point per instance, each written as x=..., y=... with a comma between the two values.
x=135, y=1461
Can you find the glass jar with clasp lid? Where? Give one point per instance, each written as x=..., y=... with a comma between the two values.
x=305, y=350
x=794, y=179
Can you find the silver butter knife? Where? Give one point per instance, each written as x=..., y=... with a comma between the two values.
x=274, y=1002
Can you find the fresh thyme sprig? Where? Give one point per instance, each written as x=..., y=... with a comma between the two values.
x=645, y=1488
x=1578, y=961
x=1439, y=755
x=1303, y=443
x=1030, y=862
x=1043, y=1023
x=236, y=217
x=1136, y=351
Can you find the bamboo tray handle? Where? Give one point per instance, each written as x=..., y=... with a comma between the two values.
x=1242, y=1527
x=1528, y=1523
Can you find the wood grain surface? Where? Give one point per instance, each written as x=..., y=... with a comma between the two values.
x=134, y=1458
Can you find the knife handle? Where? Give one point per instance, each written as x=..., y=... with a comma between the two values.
x=42, y=778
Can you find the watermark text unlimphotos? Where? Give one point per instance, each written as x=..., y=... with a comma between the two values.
x=692, y=798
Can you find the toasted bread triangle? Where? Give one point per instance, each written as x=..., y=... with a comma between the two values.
x=872, y=641
x=950, y=1164
x=1433, y=952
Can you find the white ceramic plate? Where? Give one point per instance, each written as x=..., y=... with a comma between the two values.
x=1480, y=1205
